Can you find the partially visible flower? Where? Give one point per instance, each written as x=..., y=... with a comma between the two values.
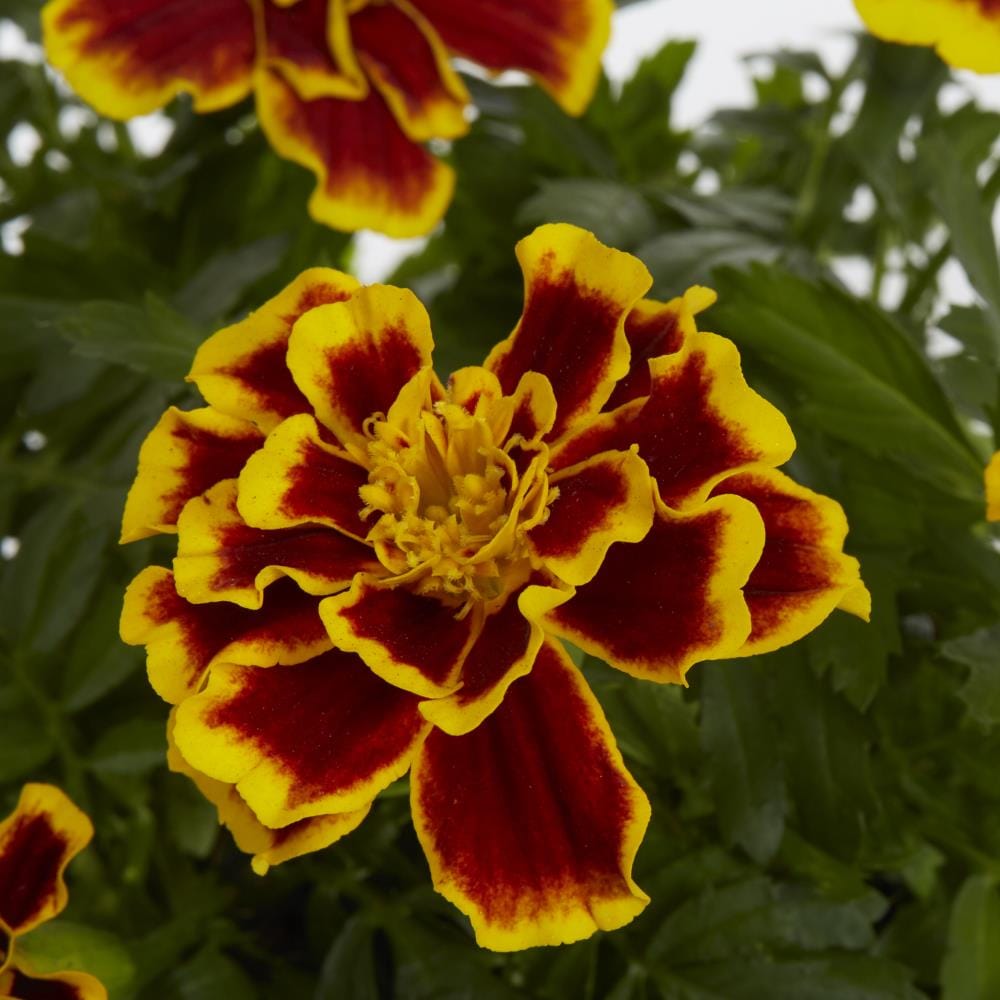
x=992, y=481
x=374, y=571
x=351, y=89
x=966, y=33
x=37, y=842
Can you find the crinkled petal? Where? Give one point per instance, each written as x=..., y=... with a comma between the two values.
x=652, y=330
x=131, y=57
x=603, y=500
x=700, y=423
x=183, y=640
x=241, y=370
x=559, y=42
x=37, y=841
x=369, y=174
x=353, y=358
x=321, y=737
x=966, y=33
x=660, y=605
x=992, y=482
x=803, y=573
x=412, y=641
x=531, y=822
x=186, y=453
x=309, y=43
x=18, y=983
x=268, y=847
x=577, y=294
x=504, y=651
x=297, y=478
x=404, y=58
x=221, y=558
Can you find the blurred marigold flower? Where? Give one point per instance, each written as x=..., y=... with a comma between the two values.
x=374, y=571
x=966, y=33
x=37, y=842
x=350, y=89
x=992, y=479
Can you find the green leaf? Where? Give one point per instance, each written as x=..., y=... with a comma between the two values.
x=971, y=969
x=131, y=747
x=980, y=652
x=349, y=967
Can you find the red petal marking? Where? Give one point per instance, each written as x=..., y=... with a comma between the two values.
x=657, y=606
x=530, y=822
x=652, y=329
x=184, y=639
x=369, y=173
x=323, y=728
x=31, y=858
x=20, y=986
x=410, y=640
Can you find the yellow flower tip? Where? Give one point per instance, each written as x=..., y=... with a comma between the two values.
x=991, y=480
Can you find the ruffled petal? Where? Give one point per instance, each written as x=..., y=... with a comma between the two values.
x=370, y=175
x=992, y=482
x=321, y=737
x=700, y=423
x=660, y=605
x=559, y=42
x=404, y=58
x=605, y=499
x=652, y=330
x=37, y=841
x=353, y=358
x=577, y=294
x=268, y=847
x=309, y=43
x=241, y=370
x=297, y=478
x=504, y=651
x=220, y=558
x=183, y=640
x=531, y=822
x=183, y=455
x=130, y=58
x=20, y=984
x=803, y=573
x=412, y=641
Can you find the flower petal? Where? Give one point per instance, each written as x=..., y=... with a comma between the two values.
x=321, y=737
x=220, y=558
x=531, y=822
x=559, y=42
x=241, y=370
x=653, y=329
x=183, y=455
x=19, y=984
x=577, y=293
x=37, y=841
x=268, y=847
x=128, y=59
x=353, y=358
x=309, y=43
x=992, y=481
x=803, y=573
x=297, y=478
x=410, y=640
x=370, y=175
x=700, y=423
x=660, y=605
x=605, y=499
x=504, y=651
x=183, y=640
x=405, y=60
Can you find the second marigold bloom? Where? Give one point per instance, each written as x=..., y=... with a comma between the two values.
x=374, y=571
x=350, y=89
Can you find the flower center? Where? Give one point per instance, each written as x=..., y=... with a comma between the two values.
x=456, y=497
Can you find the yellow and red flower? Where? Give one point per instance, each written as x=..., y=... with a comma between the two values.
x=350, y=89
x=966, y=33
x=37, y=842
x=992, y=483
x=375, y=571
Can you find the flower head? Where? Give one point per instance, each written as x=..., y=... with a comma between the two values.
x=375, y=569
x=966, y=33
x=992, y=482
x=37, y=842
x=350, y=89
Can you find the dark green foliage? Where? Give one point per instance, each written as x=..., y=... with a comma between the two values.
x=826, y=820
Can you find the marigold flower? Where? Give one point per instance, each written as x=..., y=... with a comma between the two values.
x=992, y=481
x=966, y=33
x=374, y=571
x=37, y=841
x=350, y=89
